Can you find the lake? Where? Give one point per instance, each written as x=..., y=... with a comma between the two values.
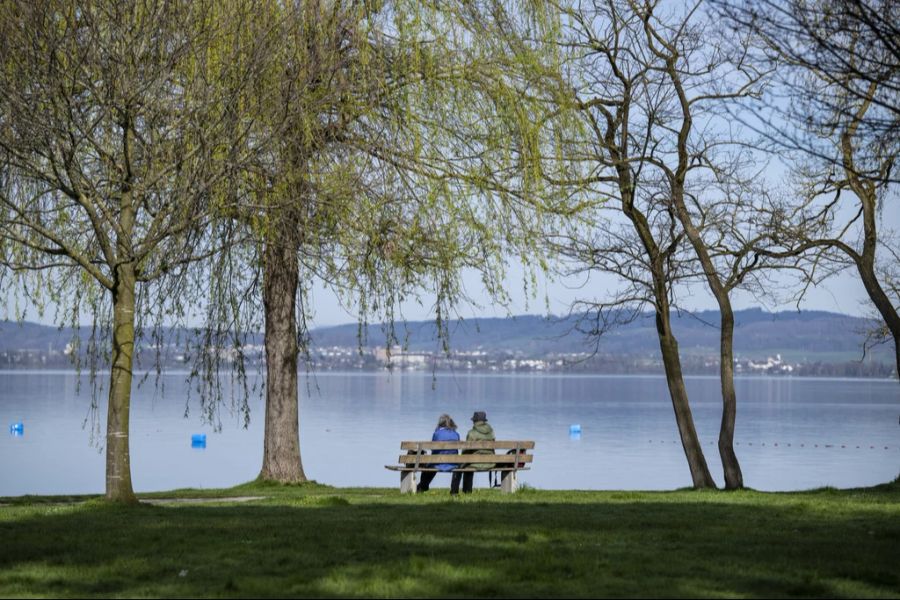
x=792, y=433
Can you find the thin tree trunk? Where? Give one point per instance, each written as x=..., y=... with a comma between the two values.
x=734, y=478
x=693, y=451
x=281, y=453
x=866, y=269
x=118, y=457
x=668, y=345
x=865, y=265
x=866, y=191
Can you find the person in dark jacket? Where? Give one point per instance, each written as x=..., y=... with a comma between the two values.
x=481, y=432
x=445, y=432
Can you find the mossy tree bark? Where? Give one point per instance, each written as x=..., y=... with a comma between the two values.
x=118, y=452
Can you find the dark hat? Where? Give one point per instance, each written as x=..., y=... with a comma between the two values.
x=479, y=416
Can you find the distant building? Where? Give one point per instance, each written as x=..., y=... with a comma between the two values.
x=770, y=365
x=398, y=357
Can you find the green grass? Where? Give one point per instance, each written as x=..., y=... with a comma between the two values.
x=313, y=540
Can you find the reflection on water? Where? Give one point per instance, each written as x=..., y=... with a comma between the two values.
x=791, y=433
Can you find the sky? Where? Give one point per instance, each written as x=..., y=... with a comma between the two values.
x=843, y=293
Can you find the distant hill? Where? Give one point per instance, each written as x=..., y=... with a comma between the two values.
x=799, y=336
x=31, y=336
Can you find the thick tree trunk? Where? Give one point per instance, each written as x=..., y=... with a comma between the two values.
x=674, y=378
x=281, y=453
x=118, y=457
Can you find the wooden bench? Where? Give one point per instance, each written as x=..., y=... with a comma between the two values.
x=507, y=464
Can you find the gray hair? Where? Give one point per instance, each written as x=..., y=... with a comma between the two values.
x=446, y=421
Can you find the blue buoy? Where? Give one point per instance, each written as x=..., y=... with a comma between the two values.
x=17, y=428
x=198, y=440
x=575, y=429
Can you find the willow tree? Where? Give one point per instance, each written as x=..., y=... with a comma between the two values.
x=119, y=129
x=343, y=191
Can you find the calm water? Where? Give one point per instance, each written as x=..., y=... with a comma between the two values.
x=791, y=433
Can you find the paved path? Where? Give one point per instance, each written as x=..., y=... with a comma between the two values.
x=200, y=500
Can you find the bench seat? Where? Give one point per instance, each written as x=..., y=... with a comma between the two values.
x=418, y=460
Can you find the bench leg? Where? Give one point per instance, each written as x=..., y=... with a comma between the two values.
x=407, y=482
x=508, y=482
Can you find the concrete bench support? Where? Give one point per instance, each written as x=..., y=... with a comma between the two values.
x=407, y=482
x=509, y=483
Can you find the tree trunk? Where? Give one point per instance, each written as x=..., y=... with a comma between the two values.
x=693, y=451
x=866, y=191
x=865, y=265
x=734, y=478
x=281, y=454
x=118, y=457
x=668, y=345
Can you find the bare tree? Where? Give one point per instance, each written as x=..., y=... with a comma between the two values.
x=838, y=106
x=576, y=128
x=720, y=227
x=602, y=139
x=832, y=56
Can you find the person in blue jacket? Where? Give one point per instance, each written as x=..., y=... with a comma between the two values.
x=445, y=432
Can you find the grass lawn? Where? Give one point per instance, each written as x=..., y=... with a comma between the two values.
x=314, y=540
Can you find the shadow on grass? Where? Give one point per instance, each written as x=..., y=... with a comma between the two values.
x=325, y=546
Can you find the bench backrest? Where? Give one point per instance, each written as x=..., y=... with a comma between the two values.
x=461, y=445
x=519, y=456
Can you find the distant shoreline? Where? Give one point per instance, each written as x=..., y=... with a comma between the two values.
x=443, y=373
x=795, y=344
